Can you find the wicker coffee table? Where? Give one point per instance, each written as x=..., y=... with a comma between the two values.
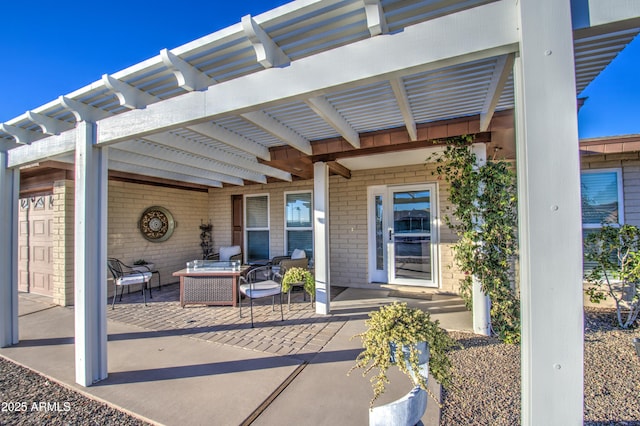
x=209, y=283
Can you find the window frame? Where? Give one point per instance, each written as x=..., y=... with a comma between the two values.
x=298, y=229
x=248, y=229
x=620, y=195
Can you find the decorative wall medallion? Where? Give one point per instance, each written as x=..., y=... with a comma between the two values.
x=157, y=224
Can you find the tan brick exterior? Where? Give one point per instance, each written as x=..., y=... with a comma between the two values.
x=348, y=224
x=63, y=204
x=348, y=219
x=127, y=202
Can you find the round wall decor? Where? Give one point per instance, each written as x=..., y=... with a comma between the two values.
x=157, y=224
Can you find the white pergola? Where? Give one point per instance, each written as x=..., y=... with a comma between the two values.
x=208, y=112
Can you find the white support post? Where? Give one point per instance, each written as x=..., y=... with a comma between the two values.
x=9, y=194
x=550, y=220
x=481, y=301
x=90, y=257
x=321, y=237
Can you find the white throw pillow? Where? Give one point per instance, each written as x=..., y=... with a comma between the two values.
x=228, y=251
x=298, y=254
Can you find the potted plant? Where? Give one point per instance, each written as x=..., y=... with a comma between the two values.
x=393, y=337
x=297, y=275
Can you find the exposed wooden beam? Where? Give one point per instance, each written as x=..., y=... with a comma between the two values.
x=339, y=169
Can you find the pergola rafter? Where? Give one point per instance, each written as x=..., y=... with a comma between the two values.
x=440, y=60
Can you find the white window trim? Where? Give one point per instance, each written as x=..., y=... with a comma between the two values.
x=286, y=228
x=246, y=224
x=618, y=171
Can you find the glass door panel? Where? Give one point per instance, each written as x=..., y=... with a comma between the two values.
x=410, y=242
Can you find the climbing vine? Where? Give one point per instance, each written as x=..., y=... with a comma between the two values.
x=484, y=216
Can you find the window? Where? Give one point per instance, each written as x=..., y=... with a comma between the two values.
x=601, y=192
x=257, y=227
x=298, y=222
x=601, y=197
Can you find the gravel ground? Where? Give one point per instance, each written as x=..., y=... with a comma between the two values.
x=28, y=398
x=488, y=385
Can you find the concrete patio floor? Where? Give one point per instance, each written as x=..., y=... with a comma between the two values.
x=205, y=365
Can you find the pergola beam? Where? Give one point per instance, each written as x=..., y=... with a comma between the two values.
x=127, y=95
x=164, y=152
x=21, y=136
x=217, y=154
x=230, y=138
x=279, y=130
x=268, y=53
x=82, y=111
x=44, y=148
x=376, y=20
x=441, y=42
x=405, y=107
x=187, y=76
x=321, y=106
x=161, y=164
x=49, y=125
x=504, y=65
x=143, y=170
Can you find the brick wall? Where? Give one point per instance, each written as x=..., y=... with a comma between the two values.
x=63, y=202
x=348, y=219
x=127, y=202
x=220, y=211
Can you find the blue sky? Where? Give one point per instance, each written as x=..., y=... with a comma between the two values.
x=51, y=49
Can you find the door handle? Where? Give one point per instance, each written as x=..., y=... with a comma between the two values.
x=390, y=234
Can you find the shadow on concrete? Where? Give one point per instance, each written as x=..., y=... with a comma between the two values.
x=226, y=367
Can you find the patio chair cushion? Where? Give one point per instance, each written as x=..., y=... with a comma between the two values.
x=134, y=278
x=228, y=251
x=299, y=254
x=260, y=289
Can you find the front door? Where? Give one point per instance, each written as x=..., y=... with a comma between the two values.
x=403, y=235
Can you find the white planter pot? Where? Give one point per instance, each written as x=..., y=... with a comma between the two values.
x=423, y=358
